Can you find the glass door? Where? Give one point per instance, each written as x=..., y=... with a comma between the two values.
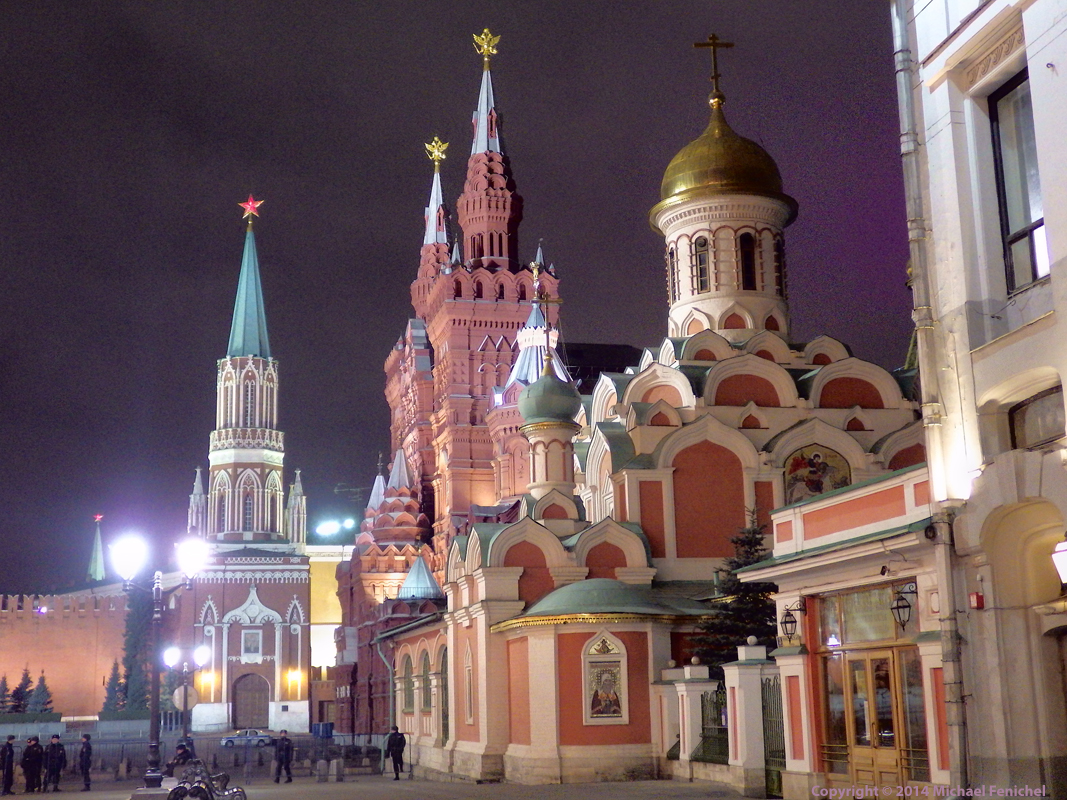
x=874, y=748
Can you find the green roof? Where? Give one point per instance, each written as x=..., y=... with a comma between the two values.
x=248, y=333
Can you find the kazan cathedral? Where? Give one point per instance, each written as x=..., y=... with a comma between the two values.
x=535, y=567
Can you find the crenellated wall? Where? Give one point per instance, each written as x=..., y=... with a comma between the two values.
x=74, y=638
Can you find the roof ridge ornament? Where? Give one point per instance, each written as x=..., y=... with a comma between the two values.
x=250, y=206
x=715, y=43
x=485, y=45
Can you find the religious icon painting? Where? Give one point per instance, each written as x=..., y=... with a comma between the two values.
x=813, y=470
x=604, y=681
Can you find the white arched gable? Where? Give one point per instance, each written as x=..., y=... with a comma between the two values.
x=735, y=309
x=610, y=531
x=659, y=375
x=595, y=458
x=648, y=357
x=455, y=566
x=252, y=611
x=752, y=410
x=605, y=395
x=635, y=418
x=294, y=615
x=749, y=364
x=696, y=315
x=474, y=558
x=209, y=612
x=863, y=370
x=526, y=530
x=772, y=343
x=668, y=355
x=1018, y=387
x=707, y=340
x=555, y=498
x=709, y=429
x=815, y=431
x=221, y=482
x=827, y=346
x=908, y=436
x=274, y=483
x=858, y=414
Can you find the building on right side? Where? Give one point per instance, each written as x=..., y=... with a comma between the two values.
x=982, y=87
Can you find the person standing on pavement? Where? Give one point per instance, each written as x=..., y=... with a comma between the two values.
x=394, y=748
x=32, y=759
x=283, y=757
x=55, y=761
x=85, y=760
x=7, y=765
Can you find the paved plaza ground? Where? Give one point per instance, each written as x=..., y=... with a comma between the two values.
x=377, y=787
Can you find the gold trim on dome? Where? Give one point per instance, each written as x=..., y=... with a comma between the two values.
x=593, y=619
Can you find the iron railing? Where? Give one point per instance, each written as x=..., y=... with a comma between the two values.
x=714, y=746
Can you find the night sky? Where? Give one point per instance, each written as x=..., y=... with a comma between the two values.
x=129, y=132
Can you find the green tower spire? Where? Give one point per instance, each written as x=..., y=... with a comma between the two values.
x=248, y=334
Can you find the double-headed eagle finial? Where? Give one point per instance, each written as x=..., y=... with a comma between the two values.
x=486, y=44
x=435, y=151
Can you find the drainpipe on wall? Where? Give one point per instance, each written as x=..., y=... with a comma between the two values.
x=923, y=314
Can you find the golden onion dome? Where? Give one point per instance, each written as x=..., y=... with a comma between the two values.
x=719, y=160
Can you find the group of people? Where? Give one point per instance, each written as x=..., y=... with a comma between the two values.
x=50, y=760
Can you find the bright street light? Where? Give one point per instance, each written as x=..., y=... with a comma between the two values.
x=129, y=555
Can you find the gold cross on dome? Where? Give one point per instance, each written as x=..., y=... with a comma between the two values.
x=435, y=151
x=486, y=46
x=714, y=42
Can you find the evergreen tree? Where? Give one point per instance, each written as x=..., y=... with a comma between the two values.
x=5, y=695
x=747, y=608
x=171, y=681
x=40, y=701
x=20, y=695
x=135, y=658
x=113, y=690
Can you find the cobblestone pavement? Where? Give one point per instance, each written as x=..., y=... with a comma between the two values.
x=377, y=787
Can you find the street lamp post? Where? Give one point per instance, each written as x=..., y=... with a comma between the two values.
x=130, y=555
x=171, y=657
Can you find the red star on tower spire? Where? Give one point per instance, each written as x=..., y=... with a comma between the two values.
x=250, y=207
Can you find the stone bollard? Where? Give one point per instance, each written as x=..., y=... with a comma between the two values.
x=322, y=768
x=337, y=771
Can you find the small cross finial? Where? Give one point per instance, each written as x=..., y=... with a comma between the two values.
x=435, y=151
x=379, y=463
x=486, y=44
x=715, y=43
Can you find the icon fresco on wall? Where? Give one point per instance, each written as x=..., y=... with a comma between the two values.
x=813, y=470
x=604, y=681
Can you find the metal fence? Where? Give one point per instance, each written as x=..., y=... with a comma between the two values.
x=714, y=744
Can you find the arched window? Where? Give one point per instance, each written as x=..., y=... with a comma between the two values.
x=746, y=245
x=522, y=292
x=250, y=404
x=221, y=512
x=427, y=693
x=457, y=289
x=779, y=266
x=672, y=275
x=500, y=292
x=477, y=290
x=248, y=511
x=409, y=685
x=701, y=273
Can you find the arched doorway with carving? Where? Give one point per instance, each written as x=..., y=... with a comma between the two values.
x=251, y=702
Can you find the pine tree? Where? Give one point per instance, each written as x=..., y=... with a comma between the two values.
x=40, y=701
x=20, y=695
x=5, y=695
x=113, y=690
x=135, y=658
x=168, y=685
x=747, y=608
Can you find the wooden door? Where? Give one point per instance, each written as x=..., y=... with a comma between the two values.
x=251, y=702
x=874, y=749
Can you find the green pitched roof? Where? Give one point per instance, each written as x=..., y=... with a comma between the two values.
x=248, y=334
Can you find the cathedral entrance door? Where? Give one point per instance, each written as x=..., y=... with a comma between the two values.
x=251, y=702
x=874, y=750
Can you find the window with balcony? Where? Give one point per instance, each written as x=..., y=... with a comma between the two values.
x=1022, y=222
